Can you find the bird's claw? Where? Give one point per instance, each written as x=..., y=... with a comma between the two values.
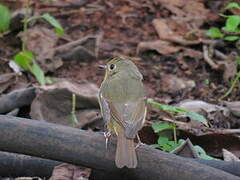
x=139, y=142
x=107, y=135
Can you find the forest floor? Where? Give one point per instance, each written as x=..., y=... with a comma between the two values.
x=166, y=39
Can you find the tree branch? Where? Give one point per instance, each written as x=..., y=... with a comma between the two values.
x=87, y=149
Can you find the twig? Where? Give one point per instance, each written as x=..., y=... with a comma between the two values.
x=233, y=84
x=176, y=122
x=208, y=59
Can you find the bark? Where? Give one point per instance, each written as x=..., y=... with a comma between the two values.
x=17, y=99
x=87, y=149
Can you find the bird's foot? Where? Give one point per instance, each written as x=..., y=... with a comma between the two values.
x=107, y=136
x=139, y=142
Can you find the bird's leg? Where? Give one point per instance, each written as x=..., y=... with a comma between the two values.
x=139, y=142
x=107, y=135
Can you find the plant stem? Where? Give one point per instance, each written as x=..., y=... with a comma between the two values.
x=74, y=120
x=73, y=103
x=174, y=132
x=232, y=87
x=25, y=25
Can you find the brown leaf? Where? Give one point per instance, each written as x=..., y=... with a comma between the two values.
x=186, y=150
x=230, y=70
x=162, y=47
x=6, y=80
x=70, y=172
x=234, y=107
x=173, y=83
x=166, y=33
x=83, y=49
x=42, y=42
x=216, y=115
x=213, y=142
x=54, y=102
x=28, y=178
x=189, y=12
x=228, y=156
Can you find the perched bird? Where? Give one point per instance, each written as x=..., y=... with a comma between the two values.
x=123, y=106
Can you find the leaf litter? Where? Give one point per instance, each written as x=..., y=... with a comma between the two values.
x=168, y=36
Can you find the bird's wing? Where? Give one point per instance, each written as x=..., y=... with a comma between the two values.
x=104, y=106
x=130, y=115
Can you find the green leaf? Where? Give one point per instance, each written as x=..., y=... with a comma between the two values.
x=158, y=126
x=167, y=147
x=214, y=33
x=25, y=59
x=166, y=107
x=202, y=153
x=175, y=109
x=207, y=157
x=58, y=28
x=38, y=73
x=198, y=117
x=232, y=23
x=238, y=59
x=233, y=5
x=173, y=145
x=232, y=38
x=5, y=18
x=199, y=150
x=162, y=140
x=181, y=141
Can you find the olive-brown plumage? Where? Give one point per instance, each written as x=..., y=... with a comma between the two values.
x=123, y=106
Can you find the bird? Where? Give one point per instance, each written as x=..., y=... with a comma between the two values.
x=122, y=100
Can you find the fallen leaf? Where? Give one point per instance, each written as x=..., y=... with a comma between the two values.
x=28, y=178
x=42, y=42
x=83, y=49
x=162, y=47
x=7, y=80
x=167, y=34
x=217, y=116
x=191, y=12
x=54, y=102
x=234, y=107
x=186, y=149
x=228, y=156
x=213, y=142
x=173, y=84
x=70, y=172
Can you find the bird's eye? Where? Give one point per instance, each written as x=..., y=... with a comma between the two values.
x=112, y=66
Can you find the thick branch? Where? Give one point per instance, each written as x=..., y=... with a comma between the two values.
x=16, y=99
x=27, y=166
x=86, y=148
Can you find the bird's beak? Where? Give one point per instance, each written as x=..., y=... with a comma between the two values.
x=102, y=66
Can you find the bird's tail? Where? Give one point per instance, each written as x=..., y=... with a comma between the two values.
x=125, y=153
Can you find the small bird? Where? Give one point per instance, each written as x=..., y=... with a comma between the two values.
x=123, y=106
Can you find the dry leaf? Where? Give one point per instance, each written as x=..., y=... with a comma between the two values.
x=234, y=107
x=42, y=42
x=54, y=102
x=174, y=84
x=28, y=178
x=70, y=172
x=189, y=12
x=162, y=47
x=6, y=80
x=217, y=115
x=228, y=156
x=186, y=150
x=167, y=34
